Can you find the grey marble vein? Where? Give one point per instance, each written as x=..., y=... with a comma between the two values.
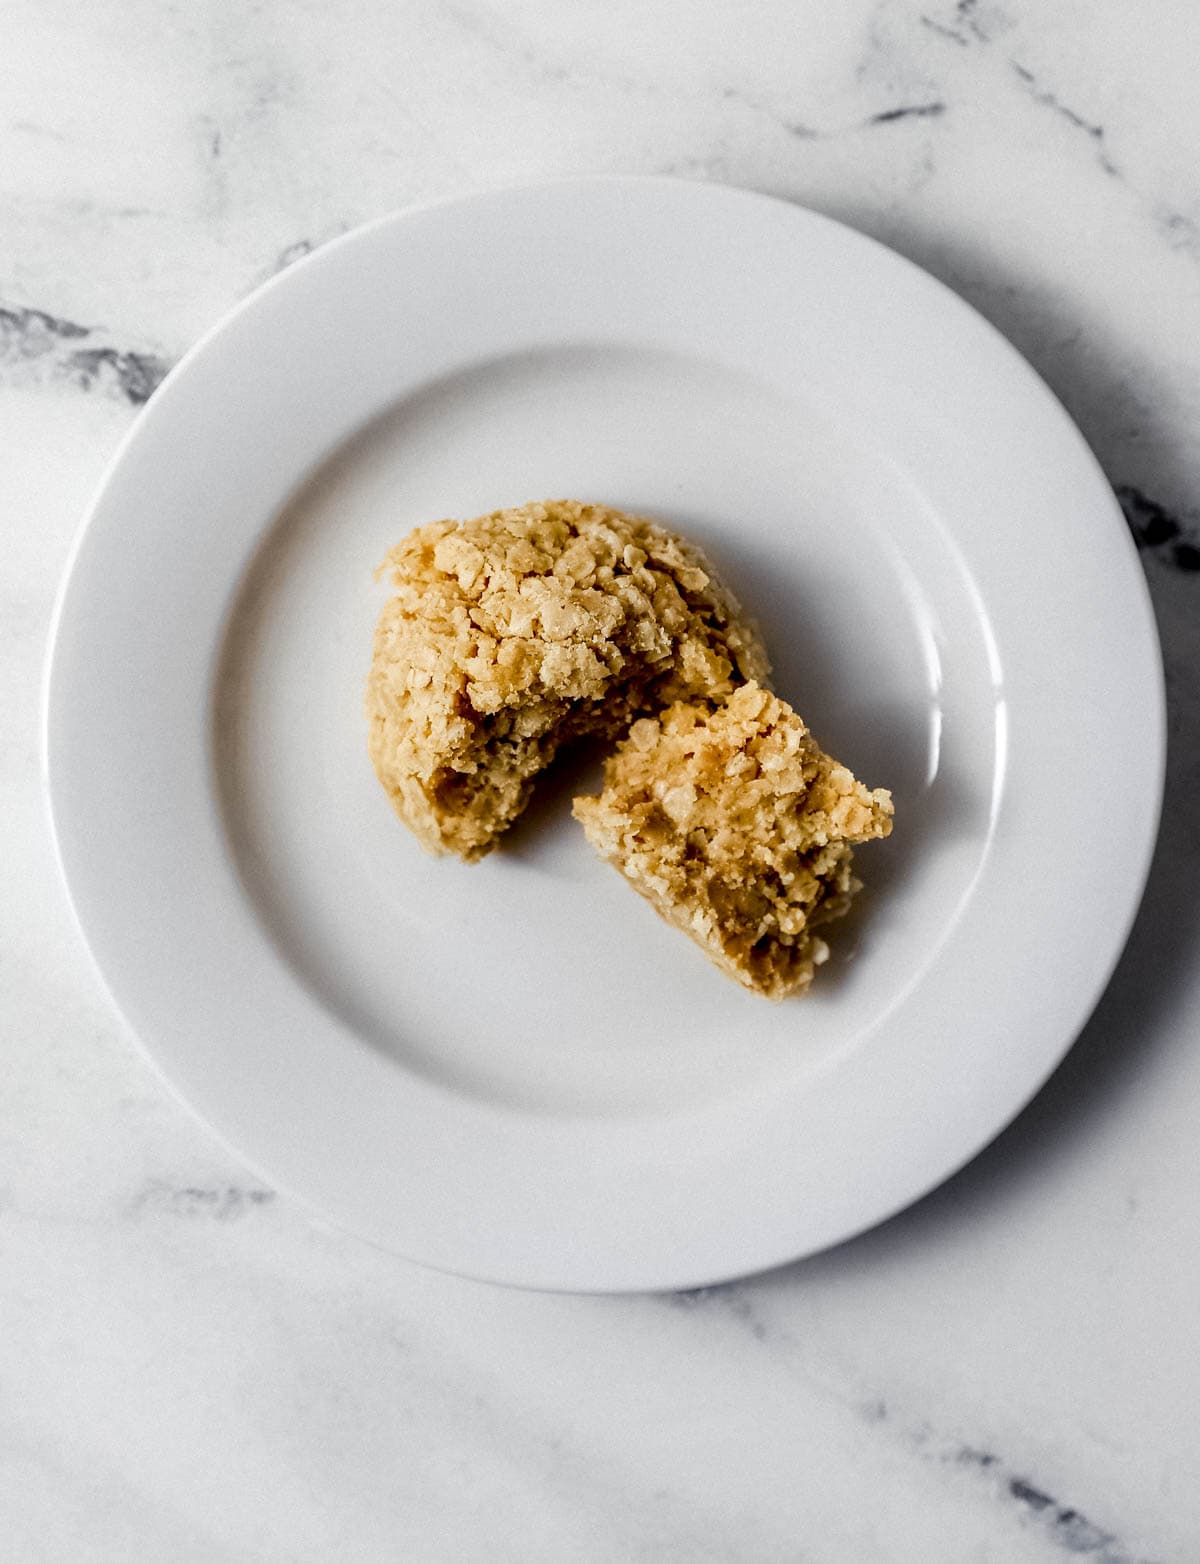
x=1004, y=1483
x=1179, y=230
x=1049, y=100
x=1155, y=529
x=908, y=111
x=220, y=1203
x=503, y=35
x=944, y=30
x=296, y=251
x=36, y=346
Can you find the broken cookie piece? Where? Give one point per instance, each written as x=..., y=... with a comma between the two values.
x=512, y=634
x=731, y=820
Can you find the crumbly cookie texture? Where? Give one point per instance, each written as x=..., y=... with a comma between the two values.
x=733, y=822
x=512, y=634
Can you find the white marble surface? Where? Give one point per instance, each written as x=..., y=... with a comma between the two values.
x=192, y=1369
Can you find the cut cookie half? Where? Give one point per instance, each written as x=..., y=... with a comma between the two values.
x=733, y=822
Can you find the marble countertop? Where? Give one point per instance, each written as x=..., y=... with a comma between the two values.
x=191, y=1369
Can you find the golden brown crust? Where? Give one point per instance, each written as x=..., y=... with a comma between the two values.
x=516, y=632
x=730, y=819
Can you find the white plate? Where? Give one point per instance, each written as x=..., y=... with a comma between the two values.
x=513, y=1070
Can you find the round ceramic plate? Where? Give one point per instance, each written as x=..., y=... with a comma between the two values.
x=513, y=1069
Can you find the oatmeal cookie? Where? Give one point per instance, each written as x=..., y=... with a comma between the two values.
x=512, y=634
x=730, y=819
